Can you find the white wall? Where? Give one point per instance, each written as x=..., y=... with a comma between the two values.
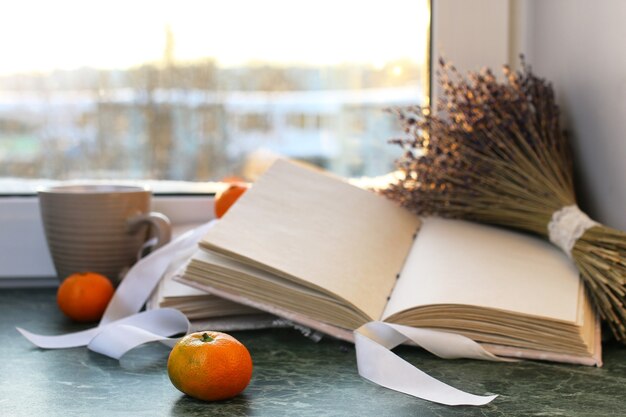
x=580, y=46
x=471, y=34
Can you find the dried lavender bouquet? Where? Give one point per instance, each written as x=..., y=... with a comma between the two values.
x=495, y=153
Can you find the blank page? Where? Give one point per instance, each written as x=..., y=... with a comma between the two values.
x=459, y=262
x=320, y=230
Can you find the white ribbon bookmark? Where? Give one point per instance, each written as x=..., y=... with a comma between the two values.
x=376, y=361
x=122, y=328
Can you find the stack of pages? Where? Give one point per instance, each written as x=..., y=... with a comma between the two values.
x=311, y=248
x=207, y=311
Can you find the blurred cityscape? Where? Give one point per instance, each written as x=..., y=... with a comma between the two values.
x=198, y=121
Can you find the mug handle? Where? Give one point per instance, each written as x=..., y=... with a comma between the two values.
x=159, y=222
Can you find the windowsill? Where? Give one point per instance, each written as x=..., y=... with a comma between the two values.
x=20, y=187
x=24, y=257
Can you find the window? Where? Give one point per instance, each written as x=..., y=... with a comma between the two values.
x=195, y=90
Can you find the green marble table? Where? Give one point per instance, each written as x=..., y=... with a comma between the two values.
x=293, y=376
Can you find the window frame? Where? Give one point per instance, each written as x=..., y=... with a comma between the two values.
x=455, y=34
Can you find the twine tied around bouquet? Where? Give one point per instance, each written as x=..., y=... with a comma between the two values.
x=567, y=225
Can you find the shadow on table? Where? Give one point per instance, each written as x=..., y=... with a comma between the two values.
x=188, y=406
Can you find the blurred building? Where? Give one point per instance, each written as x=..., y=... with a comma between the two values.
x=159, y=130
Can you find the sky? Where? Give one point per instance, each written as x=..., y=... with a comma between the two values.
x=38, y=35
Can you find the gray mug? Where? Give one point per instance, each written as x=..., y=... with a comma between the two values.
x=99, y=228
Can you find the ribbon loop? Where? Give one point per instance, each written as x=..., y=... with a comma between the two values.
x=122, y=328
x=151, y=326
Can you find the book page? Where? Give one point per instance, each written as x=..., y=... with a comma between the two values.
x=320, y=230
x=459, y=262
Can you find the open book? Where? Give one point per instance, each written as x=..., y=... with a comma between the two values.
x=314, y=249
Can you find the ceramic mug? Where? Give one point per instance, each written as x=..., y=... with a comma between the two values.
x=99, y=228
